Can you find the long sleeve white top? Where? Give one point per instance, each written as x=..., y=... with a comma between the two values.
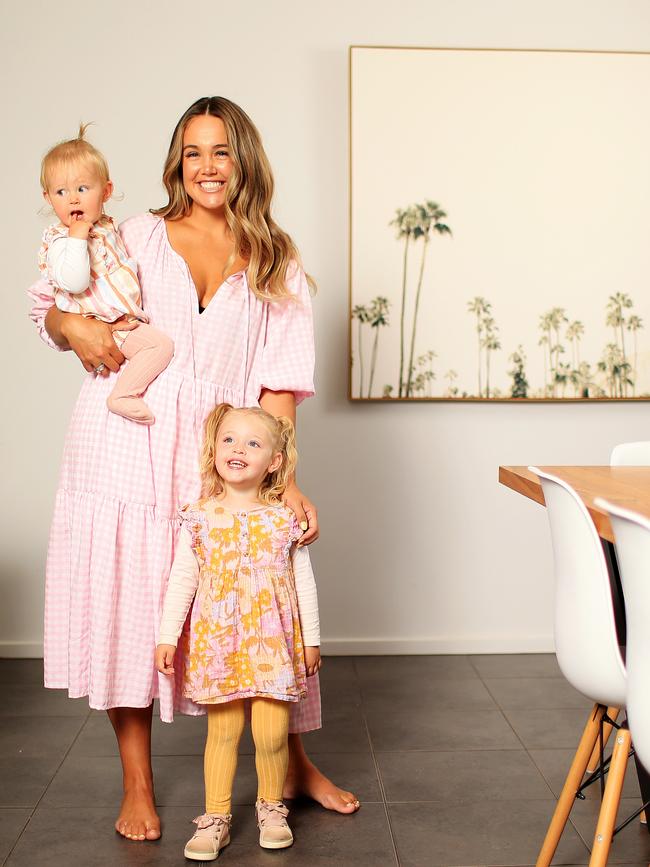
x=184, y=580
x=68, y=261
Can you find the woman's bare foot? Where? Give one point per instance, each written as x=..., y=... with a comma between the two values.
x=304, y=779
x=138, y=819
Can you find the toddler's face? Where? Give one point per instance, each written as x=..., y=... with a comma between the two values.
x=76, y=192
x=244, y=450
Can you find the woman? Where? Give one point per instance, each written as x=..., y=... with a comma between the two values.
x=215, y=270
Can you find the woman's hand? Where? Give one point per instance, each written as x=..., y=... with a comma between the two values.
x=305, y=512
x=92, y=341
x=164, y=658
x=312, y=660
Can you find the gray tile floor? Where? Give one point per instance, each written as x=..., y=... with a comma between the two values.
x=457, y=760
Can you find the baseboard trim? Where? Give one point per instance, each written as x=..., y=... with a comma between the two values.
x=21, y=649
x=433, y=646
x=369, y=646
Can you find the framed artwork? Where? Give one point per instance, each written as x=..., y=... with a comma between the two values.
x=500, y=225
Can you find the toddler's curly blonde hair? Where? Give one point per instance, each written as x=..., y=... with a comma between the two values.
x=283, y=440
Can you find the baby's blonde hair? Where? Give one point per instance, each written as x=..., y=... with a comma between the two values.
x=283, y=440
x=72, y=151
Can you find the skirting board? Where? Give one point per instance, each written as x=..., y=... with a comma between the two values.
x=436, y=646
x=370, y=646
x=21, y=649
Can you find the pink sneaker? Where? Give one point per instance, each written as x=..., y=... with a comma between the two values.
x=212, y=834
x=272, y=822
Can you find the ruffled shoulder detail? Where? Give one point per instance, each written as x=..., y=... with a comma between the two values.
x=193, y=517
x=293, y=526
x=190, y=511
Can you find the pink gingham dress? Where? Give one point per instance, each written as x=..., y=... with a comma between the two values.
x=115, y=521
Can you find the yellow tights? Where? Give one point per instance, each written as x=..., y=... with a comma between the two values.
x=270, y=727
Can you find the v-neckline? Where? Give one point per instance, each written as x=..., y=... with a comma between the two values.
x=197, y=301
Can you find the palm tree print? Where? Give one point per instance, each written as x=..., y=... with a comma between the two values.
x=545, y=343
x=378, y=318
x=481, y=309
x=415, y=222
x=430, y=215
x=362, y=315
x=406, y=222
x=375, y=315
x=617, y=303
x=490, y=343
x=518, y=373
x=634, y=324
x=451, y=376
x=573, y=333
x=570, y=366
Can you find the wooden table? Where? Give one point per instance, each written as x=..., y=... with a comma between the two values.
x=625, y=486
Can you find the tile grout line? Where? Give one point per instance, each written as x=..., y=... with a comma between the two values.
x=503, y=713
x=535, y=765
x=380, y=782
x=46, y=789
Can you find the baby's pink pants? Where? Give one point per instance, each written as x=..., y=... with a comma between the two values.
x=148, y=352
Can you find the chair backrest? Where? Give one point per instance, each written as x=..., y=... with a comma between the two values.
x=632, y=533
x=631, y=455
x=586, y=643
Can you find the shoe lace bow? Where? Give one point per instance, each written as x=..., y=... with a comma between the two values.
x=207, y=820
x=272, y=814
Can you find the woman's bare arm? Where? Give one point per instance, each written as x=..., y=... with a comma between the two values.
x=284, y=403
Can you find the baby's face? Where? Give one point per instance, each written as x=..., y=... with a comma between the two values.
x=76, y=192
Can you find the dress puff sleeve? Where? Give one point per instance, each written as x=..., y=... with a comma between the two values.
x=41, y=295
x=288, y=354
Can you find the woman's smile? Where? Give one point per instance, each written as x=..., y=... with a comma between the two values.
x=211, y=186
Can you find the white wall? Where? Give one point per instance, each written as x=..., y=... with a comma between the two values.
x=422, y=550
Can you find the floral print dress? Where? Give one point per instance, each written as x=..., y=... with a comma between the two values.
x=244, y=637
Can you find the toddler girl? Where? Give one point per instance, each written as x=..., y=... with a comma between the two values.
x=253, y=589
x=85, y=261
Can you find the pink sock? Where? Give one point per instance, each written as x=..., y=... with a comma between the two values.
x=148, y=351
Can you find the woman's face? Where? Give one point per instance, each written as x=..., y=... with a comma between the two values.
x=206, y=161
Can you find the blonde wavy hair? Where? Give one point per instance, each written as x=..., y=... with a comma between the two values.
x=249, y=191
x=283, y=440
x=71, y=151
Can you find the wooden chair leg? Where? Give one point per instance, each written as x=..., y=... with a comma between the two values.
x=571, y=786
x=611, y=799
x=594, y=761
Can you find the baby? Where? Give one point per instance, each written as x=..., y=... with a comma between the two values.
x=83, y=258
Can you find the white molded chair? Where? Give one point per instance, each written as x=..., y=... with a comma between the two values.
x=631, y=455
x=586, y=643
x=623, y=455
x=636, y=454
x=632, y=534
